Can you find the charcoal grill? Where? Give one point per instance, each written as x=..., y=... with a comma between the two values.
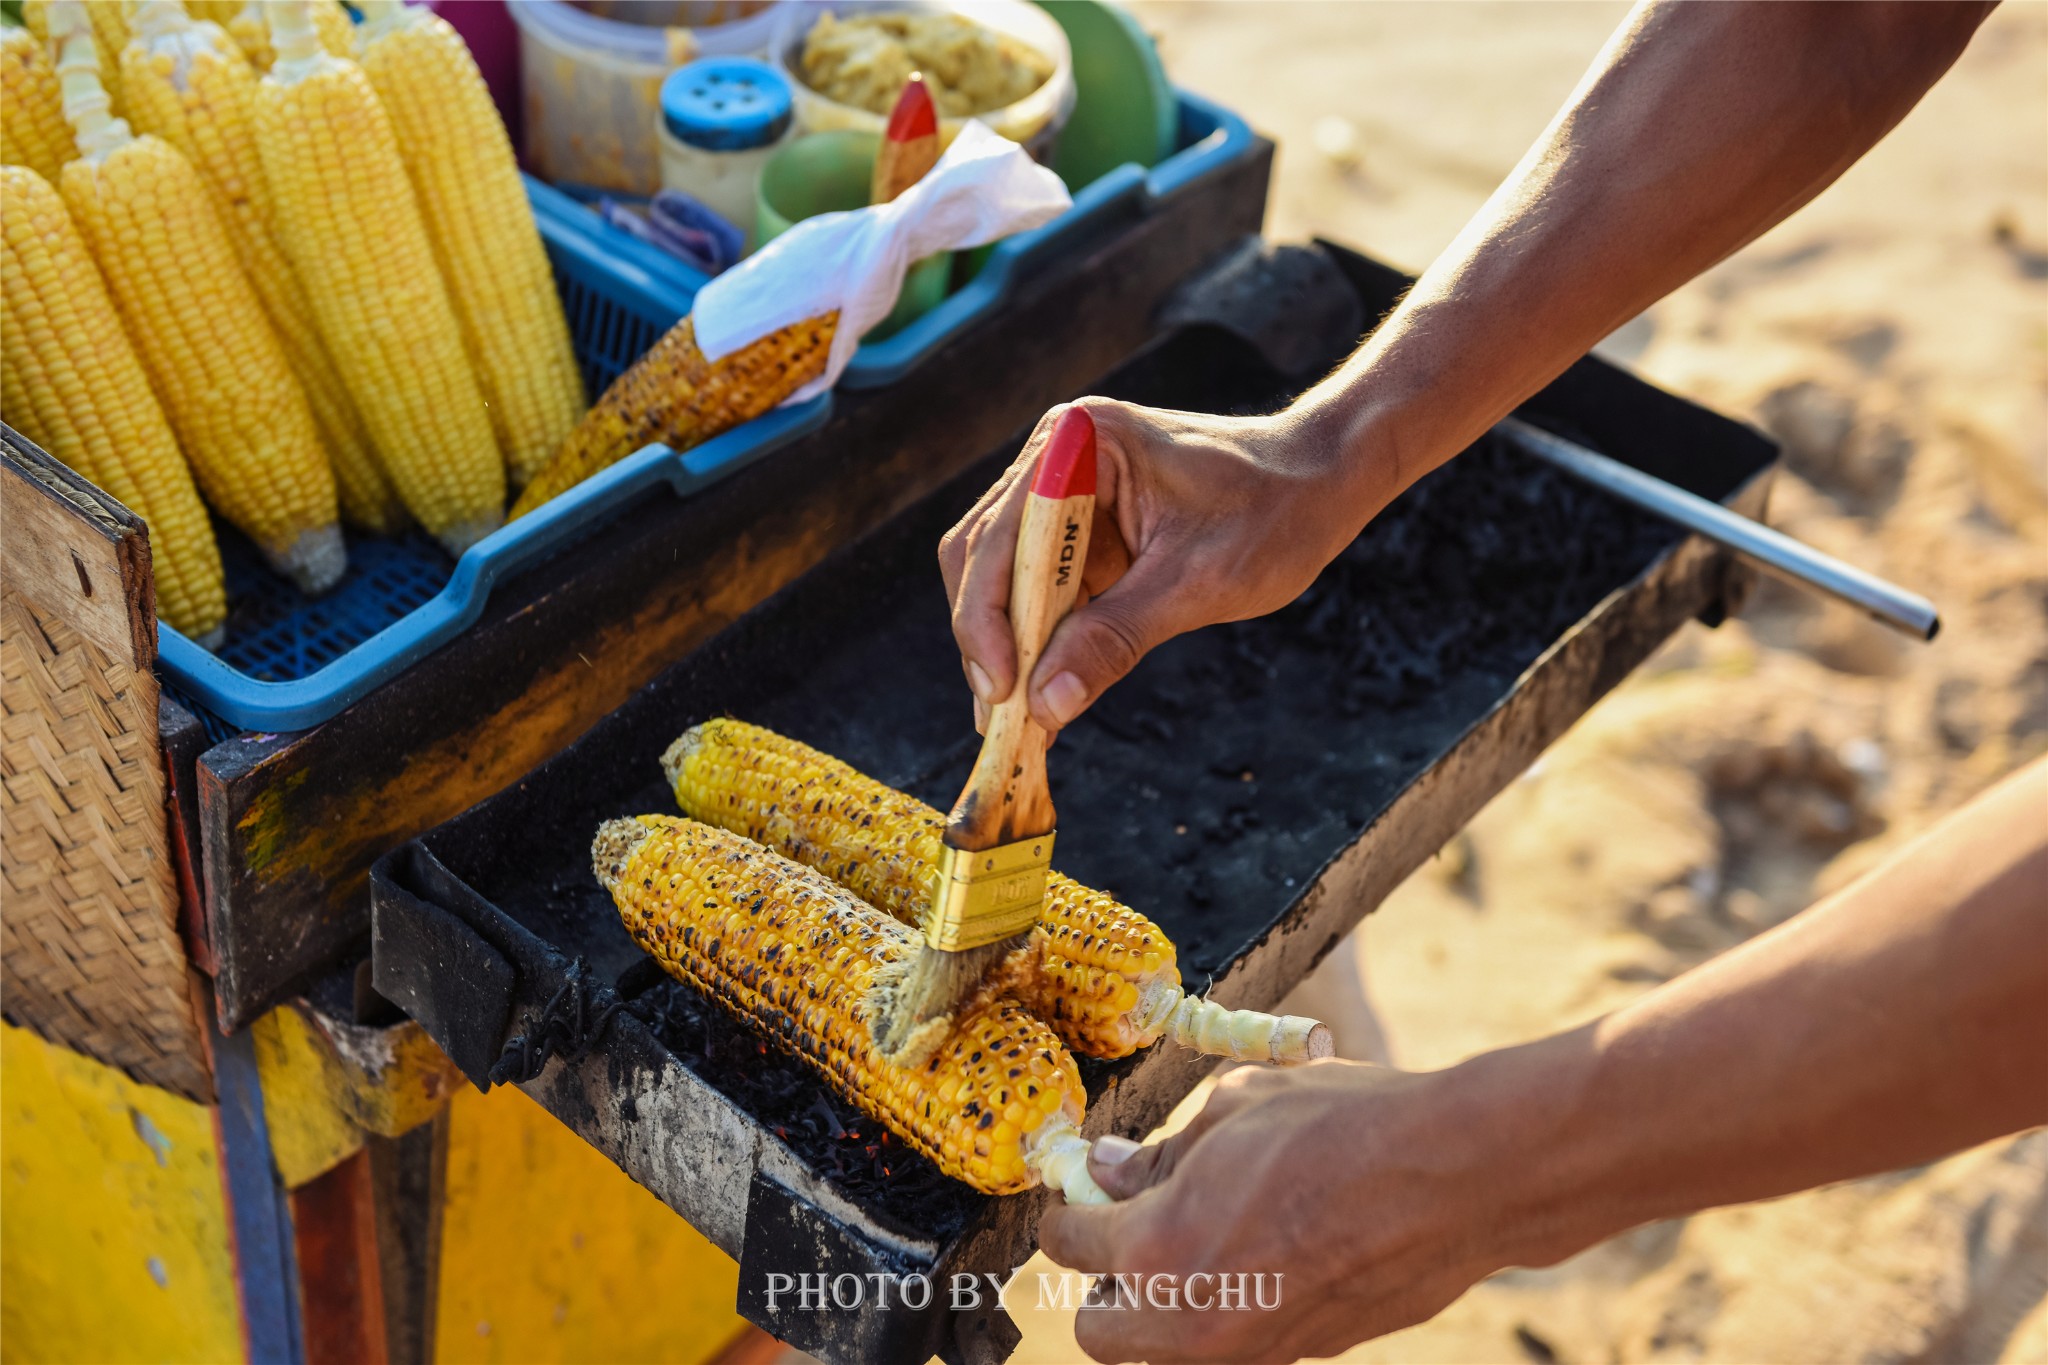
x=1256, y=788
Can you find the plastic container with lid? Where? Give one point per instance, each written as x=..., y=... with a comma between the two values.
x=1035, y=120
x=591, y=74
x=721, y=119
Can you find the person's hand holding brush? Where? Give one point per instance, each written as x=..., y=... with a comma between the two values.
x=1699, y=127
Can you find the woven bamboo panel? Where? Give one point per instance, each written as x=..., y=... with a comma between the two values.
x=89, y=949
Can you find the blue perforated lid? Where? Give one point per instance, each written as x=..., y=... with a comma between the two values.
x=726, y=104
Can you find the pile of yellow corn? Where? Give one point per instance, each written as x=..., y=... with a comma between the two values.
x=309, y=243
x=797, y=937
x=311, y=239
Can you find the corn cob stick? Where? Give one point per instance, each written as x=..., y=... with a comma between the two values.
x=192, y=87
x=70, y=380
x=1099, y=972
x=675, y=396
x=109, y=35
x=211, y=356
x=999, y=1103
x=467, y=180
x=251, y=32
x=349, y=224
x=33, y=132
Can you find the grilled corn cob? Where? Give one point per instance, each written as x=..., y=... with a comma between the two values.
x=210, y=353
x=675, y=396
x=190, y=86
x=1099, y=972
x=109, y=35
x=251, y=32
x=998, y=1105
x=33, y=132
x=70, y=380
x=349, y=224
x=467, y=180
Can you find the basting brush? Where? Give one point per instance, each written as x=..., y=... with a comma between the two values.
x=910, y=144
x=999, y=838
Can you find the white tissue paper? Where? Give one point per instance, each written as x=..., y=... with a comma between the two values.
x=985, y=187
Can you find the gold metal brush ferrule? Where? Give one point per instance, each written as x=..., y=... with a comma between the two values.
x=989, y=896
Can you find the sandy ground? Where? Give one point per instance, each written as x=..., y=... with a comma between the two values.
x=1894, y=335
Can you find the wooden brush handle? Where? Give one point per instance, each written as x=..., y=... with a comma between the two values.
x=910, y=146
x=1006, y=797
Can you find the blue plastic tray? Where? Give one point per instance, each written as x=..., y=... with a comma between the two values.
x=291, y=662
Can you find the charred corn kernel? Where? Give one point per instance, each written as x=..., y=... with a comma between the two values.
x=467, y=181
x=797, y=957
x=109, y=35
x=70, y=381
x=1099, y=972
x=251, y=31
x=349, y=224
x=205, y=343
x=33, y=132
x=675, y=396
x=189, y=85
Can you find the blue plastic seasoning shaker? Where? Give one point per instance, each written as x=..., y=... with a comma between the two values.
x=721, y=118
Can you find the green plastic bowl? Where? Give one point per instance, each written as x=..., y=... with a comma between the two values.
x=828, y=173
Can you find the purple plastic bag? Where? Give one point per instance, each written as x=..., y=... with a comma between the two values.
x=681, y=226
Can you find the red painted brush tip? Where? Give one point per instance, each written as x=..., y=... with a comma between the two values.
x=1067, y=468
x=914, y=115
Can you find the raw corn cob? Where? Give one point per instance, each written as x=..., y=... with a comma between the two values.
x=33, y=132
x=213, y=11
x=350, y=226
x=109, y=35
x=189, y=85
x=251, y=32
x=210, y=353
x=675, y=396
x=70, y=380
x=998, y=1104
x=1099, y=972
x=467, y=180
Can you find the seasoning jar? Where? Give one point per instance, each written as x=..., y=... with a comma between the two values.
x=721, y=119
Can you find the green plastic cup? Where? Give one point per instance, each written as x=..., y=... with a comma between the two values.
x=828, y=173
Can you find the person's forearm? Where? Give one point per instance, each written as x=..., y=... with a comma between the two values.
x=1698, y=127
x=1903, y=1018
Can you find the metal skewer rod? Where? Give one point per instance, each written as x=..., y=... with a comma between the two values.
x=1906, y=612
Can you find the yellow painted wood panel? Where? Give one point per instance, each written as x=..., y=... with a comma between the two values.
x=310, y=1129
x=327, y=1083
x=549, y=1252
x=113, y=1228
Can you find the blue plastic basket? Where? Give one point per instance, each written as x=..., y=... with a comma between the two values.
x=291, y=662
x=1210, y=138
